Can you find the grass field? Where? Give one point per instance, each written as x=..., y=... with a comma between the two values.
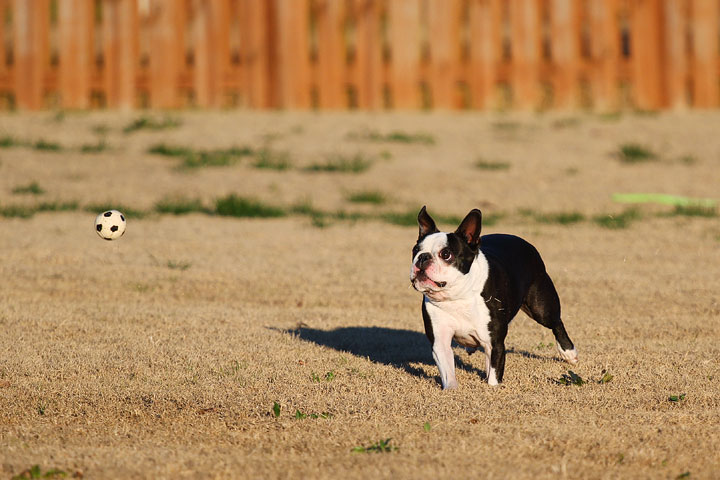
x=256, y=319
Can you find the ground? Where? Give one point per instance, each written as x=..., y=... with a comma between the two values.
x=217, y=346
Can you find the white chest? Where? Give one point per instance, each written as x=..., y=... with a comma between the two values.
x=465, y=321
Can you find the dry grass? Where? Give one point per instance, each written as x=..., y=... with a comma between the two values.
x=116, y=363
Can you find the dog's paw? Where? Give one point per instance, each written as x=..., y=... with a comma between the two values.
x=569, y=356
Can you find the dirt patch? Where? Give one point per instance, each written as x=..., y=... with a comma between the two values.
x=203, y=346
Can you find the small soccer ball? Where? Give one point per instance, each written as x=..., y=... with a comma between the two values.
x=110, y=225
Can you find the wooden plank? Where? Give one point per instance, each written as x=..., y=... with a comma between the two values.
x=254, y=53
x=3, y=50
x=444, y=27
x=485, y=20
x=31, y=22
x=704, y=24
x=368, y=54
x=605, y=52
x=211, y=35
x=293, y=56
x=646, y=53
x=331, y=55
x=676, y=63
x=565, y=48
x=404, y=38
x=525, y=31
x=75, y=24
x=166, y=53
x=120, y=51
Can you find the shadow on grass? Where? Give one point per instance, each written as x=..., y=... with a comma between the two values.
x=388, y=346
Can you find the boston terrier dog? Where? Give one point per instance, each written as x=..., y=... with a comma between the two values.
x=472, y=288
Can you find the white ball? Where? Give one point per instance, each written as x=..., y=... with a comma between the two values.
x=110, y=225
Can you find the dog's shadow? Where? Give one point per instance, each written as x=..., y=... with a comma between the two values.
x=402, y=349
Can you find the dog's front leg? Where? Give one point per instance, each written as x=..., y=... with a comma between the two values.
x=444, y=357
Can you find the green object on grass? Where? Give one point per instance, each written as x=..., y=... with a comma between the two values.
x=664, y=199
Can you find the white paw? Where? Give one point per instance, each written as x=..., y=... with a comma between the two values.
x=451, y=385
x=569, y=356
x=492, y=378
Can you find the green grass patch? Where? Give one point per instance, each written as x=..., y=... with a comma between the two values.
x=272, y=160
x=236, y=206
x=27, y=211
x=180, y=205
x=8, y=141
x=169, y=150
x=483, y=164
x=47, y=146
x=677, y=398
x=409, y=218
x=151, y=123
x=190, y=158
x=356, y=163
x=129, y=212
x=694, y=211
x=559, y=218
x=381, y=446
x=635, y=153
x=35, y=472
x=373, y=197
x=182, y=266
x=618, y=221
x=571, y=378
x=98, y=147
x=396, y=136
x=17, y=211
x=32, y=188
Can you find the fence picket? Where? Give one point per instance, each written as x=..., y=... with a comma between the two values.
x=31, y=24
x=705, y=16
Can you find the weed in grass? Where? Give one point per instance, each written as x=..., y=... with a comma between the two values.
x=150, y=123
x=276, y=409
x=46, y=146
x=32, y=188
x=182, y=266
x=301, y=416
x=483, y=164
x=619, y=220
x=56, y=207
x=210, y=158
x=180, y=205
x=409, y=218
x=545, y=346
x=677, y=398
x=8, y=141
x=427, y=427
x=339, y=163
x=100, y=146
x=169, y=151
x=271, y=160
x=17, y=211
x=694, y=211
x=235, y=206
x=571, y=378
x=606, y=378
x=635, y=153
x=36, y=472
x=127, y=211
x=373, y=197
x=393, y=137
x=560, y=218
x=381, y=446
x=328, y=377
x=683, y=475
x=41, y=409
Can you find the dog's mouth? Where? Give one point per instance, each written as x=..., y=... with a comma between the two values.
x=422, y=277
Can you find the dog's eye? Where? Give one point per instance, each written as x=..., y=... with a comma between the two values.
x=446, y=254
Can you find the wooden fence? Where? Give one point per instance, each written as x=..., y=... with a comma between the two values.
x=366, y=54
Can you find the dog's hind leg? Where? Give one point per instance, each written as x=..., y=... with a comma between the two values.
x=542, y=304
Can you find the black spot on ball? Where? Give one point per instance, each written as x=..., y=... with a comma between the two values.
x=107, y=214
x=107, y=238
x=114, y=228
x=98, y=227
x=122, y=217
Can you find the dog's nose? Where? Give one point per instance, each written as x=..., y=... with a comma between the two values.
x=423, y=260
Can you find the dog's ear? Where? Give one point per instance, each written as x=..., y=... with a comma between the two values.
x=426, y=223
x=469, y=229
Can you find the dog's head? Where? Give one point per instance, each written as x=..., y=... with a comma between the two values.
x=441, y=261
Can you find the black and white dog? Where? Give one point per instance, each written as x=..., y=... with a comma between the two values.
x=472, y=288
